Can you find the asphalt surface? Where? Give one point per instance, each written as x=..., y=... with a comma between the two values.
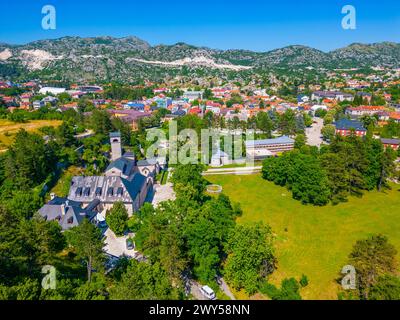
x=314, y=133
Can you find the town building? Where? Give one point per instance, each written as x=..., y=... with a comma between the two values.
x=345, y=127
x=67, y=213
x=131, y=117
x=193, y=95
x=51, y=90
x=335, y=95
x=261, y=149
x=393, y=143
x=364, y=110
x=123, y=181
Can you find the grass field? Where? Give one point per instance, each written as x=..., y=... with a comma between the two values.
x=314, y=241
x=9, y=129
x=61, y=189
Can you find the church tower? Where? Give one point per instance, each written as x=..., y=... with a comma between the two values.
x=116, y=148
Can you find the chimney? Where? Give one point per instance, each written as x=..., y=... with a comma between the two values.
x=63, y=211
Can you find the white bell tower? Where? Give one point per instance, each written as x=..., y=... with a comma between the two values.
x=116, y=147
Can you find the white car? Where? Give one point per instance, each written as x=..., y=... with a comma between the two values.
x=208, y=293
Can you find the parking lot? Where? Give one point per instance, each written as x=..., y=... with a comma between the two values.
x=116, y=246
x=314, y=133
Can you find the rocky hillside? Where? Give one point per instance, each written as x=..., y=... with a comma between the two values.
x=130, y=59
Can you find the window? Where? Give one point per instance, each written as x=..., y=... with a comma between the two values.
x=120, y=192
x=78, y=192
x=110, y=191
x=99, y=191
x=87, y=192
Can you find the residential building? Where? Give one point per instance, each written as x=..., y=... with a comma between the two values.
x=364, y=110
x=193, y=95
x=336, y=95
x=38, y=104
x=345, y=127
x=393, y=143
x=130, y=116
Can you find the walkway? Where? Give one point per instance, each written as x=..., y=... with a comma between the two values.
x=234, y=171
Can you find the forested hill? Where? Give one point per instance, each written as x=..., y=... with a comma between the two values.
x=130, y=58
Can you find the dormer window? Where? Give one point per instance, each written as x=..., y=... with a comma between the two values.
x=78, y=192
x=87, y=192
x=99, y=191
x=110, y=191
x=120, y=192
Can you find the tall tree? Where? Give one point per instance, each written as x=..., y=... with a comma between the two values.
x=372, y=258
x=117, y=218
x=29, y=160
x=287, y=123
x=387, y=287
x=250, y=256
x=264, y=123
x=189, y=182
x=387, y=167
x=100, y=122
x=145, y=281
x=87, y=241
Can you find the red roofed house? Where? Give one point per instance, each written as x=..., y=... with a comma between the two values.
x=365, y=110
x=160, y=90
x=395, y=116
x=4, y=85
x=393, y=143
x=195, y=110
x=130, y=116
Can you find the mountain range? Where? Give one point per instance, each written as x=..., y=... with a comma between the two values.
x=130, y=59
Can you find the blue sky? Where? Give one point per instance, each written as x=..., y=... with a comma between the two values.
x=258, y=25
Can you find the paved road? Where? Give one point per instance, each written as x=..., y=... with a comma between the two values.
x=224, y=287
x=86, y=134
x=116, y=246
x=163, y=193
x=194, y=289
x=314, y=133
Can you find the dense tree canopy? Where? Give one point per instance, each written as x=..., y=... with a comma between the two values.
x=117, y=218
x=373, y=258
x=29, y=160
x=86, y=240
x=346, y=167
x=250, y=256
x=189, y=182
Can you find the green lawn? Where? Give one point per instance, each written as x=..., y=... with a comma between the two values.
x=314, y=241
x=61, y=189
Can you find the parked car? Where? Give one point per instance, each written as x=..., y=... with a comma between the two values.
x=208, y=292
x=102, y=224
x=130, y=244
